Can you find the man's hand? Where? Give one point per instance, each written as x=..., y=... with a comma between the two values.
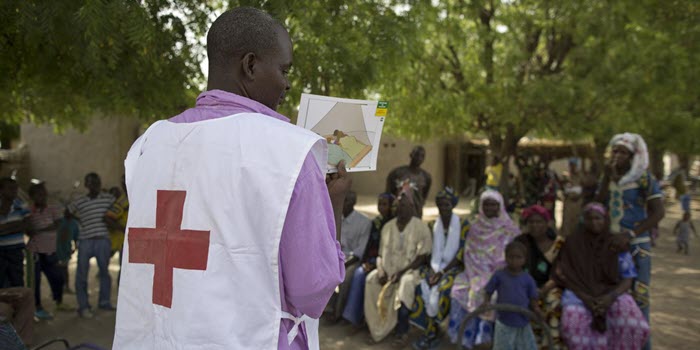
x=590, y=303
x=382, y=277
x=603, y=303
x=620, y=242
x=396, y=277
x=609, y=169
x=368, y=267
x=435, y=279
x=338, y=184
x=353, y=259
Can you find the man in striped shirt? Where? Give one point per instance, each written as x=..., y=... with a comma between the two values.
x=93, y=241
x=13, y=225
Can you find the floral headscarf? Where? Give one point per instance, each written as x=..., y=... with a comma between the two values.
x=448, y=193
x=484, y=252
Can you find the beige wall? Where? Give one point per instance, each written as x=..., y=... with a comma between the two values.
x=395, y=152
x=63, y=159
x=60, y=160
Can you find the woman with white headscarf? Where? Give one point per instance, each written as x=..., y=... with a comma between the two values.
x=484, y=253
x=634, y=200
x=432, y=303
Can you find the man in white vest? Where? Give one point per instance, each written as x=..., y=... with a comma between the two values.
x=232, y=240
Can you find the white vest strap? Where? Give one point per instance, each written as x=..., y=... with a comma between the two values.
x=295, y=329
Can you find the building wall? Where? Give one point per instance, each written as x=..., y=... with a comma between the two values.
x=63, y=159
x=396, y=152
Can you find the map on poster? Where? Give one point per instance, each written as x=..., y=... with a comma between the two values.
x=352, y=128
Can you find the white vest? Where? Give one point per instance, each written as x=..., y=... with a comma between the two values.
x=238, y=174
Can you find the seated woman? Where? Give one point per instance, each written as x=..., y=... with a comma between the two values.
x=433, y=294
x=598, y=313
x=543, y=247
x=390, y=288
x=484, y=253
x=354, y=309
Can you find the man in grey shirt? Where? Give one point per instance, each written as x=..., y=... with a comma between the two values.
x=355, y=231
x=93, y=241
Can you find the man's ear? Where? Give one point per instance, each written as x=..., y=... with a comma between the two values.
x=248, y=65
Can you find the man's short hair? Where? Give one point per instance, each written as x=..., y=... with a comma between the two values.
x=240, y=31
x=417, y=149
x=92, y=175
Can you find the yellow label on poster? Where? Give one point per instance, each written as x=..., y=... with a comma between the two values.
x=382, y=108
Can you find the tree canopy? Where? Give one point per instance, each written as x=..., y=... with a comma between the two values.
x=66, y=61
x=500, y=69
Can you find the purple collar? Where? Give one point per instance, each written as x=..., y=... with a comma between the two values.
x=214, y=104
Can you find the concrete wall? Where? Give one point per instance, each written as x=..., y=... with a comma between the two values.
x=395, y=152
x=60, y=160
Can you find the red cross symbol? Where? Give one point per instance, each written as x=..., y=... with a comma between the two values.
x=167, y=246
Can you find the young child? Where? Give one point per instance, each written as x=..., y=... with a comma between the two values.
x=515, y=287
x=682, y=232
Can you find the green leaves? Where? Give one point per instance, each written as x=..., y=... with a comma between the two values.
x=499, y=69
x=64, y=62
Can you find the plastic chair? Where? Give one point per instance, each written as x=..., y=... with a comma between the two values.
x=66, y=344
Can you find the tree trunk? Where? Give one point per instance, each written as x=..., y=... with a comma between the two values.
x=599, y=157
x=506, y=150
x=684, y=163
x=656, y=162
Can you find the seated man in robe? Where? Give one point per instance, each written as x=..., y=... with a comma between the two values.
x=405, y=245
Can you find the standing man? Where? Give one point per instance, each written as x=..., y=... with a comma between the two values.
x=415, y=175
x=43, y=224
x=493, y=173
x=635, y=204
x=681, y=189
x=232, y=238
x=93, y=241
x=14, y=221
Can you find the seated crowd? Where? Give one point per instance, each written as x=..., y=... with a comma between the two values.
x=402, y=271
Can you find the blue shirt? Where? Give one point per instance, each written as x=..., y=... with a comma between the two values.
x=626, y=269
x=18, y=212
x=627, y=203
x=512, y=289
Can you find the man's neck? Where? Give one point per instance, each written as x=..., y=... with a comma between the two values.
x=93, y=195
x=223, y=81
x=446, y=220
x=348, y=214
x=402, y=222
x=621, y=171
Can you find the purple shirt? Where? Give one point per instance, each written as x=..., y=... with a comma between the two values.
x=311, y=262
x=512, y=289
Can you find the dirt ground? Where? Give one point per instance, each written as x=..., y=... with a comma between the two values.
x=675, y=305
